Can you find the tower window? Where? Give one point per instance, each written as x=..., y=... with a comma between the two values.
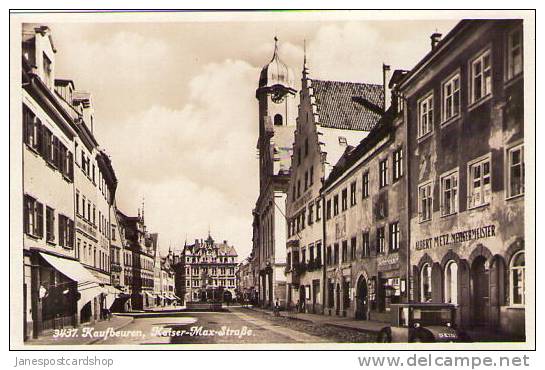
x=278, y=121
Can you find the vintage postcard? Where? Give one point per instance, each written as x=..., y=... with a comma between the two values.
x=278, y=180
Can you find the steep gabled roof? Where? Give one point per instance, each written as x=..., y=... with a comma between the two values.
x=337, y=108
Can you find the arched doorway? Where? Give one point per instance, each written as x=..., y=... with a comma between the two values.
x=480, y=283
x=361, y=299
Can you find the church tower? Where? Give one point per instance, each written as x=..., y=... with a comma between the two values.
x=276, y=97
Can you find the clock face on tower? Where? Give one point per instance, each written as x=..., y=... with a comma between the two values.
x=278, y=95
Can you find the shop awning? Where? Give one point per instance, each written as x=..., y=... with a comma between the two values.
x=71, y=269
x=87, y=294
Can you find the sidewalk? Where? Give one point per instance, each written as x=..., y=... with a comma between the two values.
x=116, y=323
x=366, y=326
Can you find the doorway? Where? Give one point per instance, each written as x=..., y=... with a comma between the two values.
x=480, y=281
x=361, y=299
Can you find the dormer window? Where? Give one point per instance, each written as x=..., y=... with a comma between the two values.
x=342, y=141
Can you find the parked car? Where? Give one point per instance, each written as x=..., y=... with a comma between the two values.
x=422, y=322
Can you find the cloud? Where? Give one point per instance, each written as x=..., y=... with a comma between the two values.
x=196, y=165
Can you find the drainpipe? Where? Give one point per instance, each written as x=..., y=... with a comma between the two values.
x=324, y=248
x=408, y=192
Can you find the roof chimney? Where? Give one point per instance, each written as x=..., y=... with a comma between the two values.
x=386, y=91
x=435, y=38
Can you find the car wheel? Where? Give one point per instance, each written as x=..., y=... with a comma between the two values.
x=384, y=336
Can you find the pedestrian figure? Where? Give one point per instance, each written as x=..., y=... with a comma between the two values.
x=276, y=309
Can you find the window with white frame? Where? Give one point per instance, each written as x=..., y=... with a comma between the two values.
x=451, y=97
x=424, y=202
x=479, y=186
x=481, y=77
x=425, y=283
x=449, y=193
x=517, y=276
x=515, y=171
x=514, y=53
x=394, y=236
x=451, y=282
x=397, y=164
x=425, y=115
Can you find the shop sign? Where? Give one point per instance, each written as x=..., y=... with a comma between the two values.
x=390, y=261
x=456, y=237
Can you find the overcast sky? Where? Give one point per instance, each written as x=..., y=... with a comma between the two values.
x=175, y=105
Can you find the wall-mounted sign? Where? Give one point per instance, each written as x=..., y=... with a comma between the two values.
x=390, y=261
x=340, y=227
x=456, y=237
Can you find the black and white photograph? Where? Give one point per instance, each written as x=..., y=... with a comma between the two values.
x=272, y=179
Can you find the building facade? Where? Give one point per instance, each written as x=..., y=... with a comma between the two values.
x=366, y=229
x=277, y=111
x=64, y=285
x=465, y=121
x=210, y=271
x=139, y=261
x=329, y=123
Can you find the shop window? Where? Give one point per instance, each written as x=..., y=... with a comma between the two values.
x=515, y=182
x=449, y=193
x=451, y=98
x=425, y=115
x=365, y=185
x=425, y=283
x=392, y=292
x=451, y=282
x=481, y=77
x=397, y=164
x=479, y=183
x=517, y=273
x=383, y=171
x=514, y=53
x=424, y=202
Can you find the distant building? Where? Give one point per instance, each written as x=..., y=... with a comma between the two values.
x=139, y=260
x=210, y=271
x=246, y=281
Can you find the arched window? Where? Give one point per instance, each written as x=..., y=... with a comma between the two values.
x=451, y=282
x=278, y=120
x=425, y=283
x=516, y=268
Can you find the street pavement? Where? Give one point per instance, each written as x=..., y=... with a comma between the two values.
x=235, y=326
